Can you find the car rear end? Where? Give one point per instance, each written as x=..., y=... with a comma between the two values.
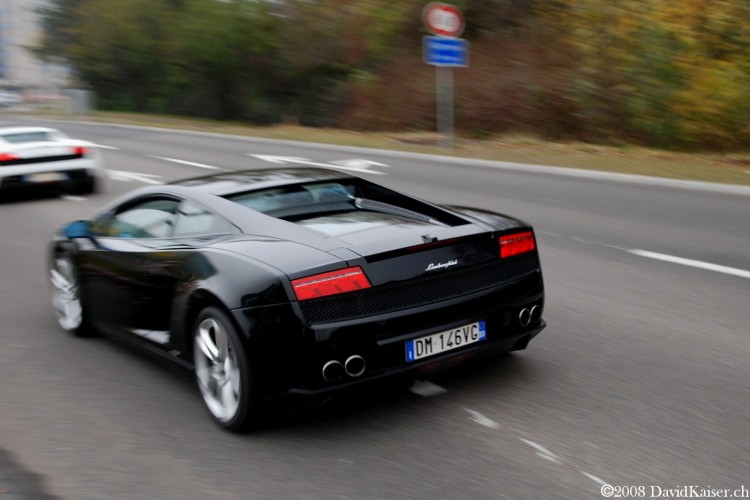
x=55, y=163
x=414, y=288
x=420, y=309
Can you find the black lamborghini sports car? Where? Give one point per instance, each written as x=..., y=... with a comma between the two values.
x=297, y=282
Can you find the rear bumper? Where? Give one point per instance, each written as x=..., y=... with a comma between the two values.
x=66, y=176
x=290, y=355
x=90, y=164
x=429, y=366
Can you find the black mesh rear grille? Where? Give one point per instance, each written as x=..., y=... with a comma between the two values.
x=419, y=291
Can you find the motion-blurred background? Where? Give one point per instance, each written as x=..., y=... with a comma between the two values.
x=651, y=72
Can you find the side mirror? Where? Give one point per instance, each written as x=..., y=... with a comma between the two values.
x=77, y=229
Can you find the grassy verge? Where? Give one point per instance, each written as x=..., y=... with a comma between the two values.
x=710, y=167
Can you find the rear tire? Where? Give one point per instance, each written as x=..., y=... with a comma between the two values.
x=222, y=371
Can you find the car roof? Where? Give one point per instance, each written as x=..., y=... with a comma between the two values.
x=227, y=183
x=210, y=191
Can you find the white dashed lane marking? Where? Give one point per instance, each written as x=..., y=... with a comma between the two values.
x=482, y=420
x=542, y=451
x=426, y=388
x=698, y=264
x=121, y=175
x=594, y=478
x=692, y=263
x=185, y=162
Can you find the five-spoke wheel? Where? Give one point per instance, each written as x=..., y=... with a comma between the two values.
x=66, y=299
x=221, y=369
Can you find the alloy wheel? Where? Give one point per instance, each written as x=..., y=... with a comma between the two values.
x=217, y=369
x=66, y=300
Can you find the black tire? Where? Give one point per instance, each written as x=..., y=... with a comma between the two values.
x=222, y=371
x=67, y=301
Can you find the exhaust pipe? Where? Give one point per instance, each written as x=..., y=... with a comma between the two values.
x=524, y=317
x=355, y=365
x=536, y=314
x=332, y=371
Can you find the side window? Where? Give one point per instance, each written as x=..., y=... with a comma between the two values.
x=152, y=218
x=194, y=220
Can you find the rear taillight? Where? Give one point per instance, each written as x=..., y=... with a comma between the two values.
x=7, y=157
x=350, y=279
x=513, y=244
x=80, y=151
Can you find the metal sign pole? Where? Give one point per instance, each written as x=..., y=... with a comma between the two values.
x=445, y=51
x=444, y=86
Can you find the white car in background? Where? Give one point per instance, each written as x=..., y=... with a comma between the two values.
x=40, y=157
x=10, y=99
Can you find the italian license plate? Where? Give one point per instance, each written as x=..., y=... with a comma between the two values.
x=448, y=340
x=46, y=177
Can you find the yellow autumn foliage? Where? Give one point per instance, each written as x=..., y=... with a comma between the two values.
x=680, y=69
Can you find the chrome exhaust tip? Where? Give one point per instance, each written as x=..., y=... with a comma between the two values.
x=536, y=314
x=332, y=371
x=355, y=365
x=524, y=317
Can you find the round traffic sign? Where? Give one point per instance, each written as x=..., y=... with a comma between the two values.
x=443, y=19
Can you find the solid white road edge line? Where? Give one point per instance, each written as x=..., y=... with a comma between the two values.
x=692, y=263
x=185, y=162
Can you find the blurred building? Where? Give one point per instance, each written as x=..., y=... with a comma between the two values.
x=19, y=30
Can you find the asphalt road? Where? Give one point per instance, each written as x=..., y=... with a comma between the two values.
x=640, y=379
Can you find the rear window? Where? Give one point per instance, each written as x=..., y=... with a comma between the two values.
x=300, y=202
x=297, y=198
x=41, y=135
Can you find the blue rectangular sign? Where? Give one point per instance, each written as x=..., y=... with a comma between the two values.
x=445, y=51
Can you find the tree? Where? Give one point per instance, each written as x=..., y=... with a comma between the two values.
x=661, y=72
